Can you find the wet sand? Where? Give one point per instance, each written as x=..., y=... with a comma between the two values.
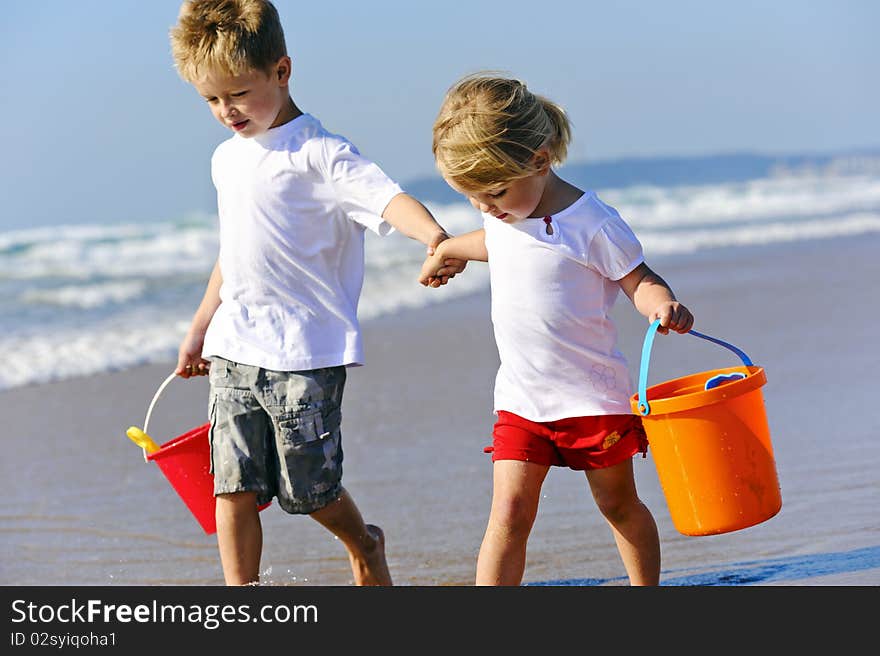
x=83, y=508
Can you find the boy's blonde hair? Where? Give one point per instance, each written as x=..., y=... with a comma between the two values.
x=489, y=129
x=229, y=36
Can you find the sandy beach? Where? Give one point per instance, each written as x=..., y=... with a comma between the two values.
x=83, y=508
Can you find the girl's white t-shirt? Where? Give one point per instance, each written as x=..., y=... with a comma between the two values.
x=551, y=297
x=293, y=206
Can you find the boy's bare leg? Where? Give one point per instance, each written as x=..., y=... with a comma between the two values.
x=516, y=489
x=239, y=537
x=632, y=524
x=365, y=543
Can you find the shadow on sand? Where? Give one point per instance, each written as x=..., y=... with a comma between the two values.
x=759, y=571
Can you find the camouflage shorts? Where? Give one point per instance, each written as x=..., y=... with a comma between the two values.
x=277, y=433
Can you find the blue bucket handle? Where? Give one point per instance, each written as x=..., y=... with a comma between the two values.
x=644, y=406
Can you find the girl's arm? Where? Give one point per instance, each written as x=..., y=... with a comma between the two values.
x=652, y=297
x=469, y=246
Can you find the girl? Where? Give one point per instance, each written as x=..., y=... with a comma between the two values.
x=557, y=257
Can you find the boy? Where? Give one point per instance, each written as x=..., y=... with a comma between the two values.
x=277, y=325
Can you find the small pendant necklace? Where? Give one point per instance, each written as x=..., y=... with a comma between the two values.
x=548, y=221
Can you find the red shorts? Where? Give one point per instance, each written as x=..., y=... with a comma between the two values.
x=576, y=442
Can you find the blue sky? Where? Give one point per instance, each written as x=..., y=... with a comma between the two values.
x=98, y=128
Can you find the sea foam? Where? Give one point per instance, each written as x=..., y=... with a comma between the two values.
x=81, y=299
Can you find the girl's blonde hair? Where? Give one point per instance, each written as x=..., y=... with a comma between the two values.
x=230, y=36
x=489, y=129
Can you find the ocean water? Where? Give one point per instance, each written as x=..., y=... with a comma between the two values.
x=83, y=299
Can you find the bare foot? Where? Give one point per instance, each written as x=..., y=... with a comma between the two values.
x=370, y=567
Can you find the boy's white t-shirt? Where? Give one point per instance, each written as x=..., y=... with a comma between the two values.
x=293, y=203
x=551, y=297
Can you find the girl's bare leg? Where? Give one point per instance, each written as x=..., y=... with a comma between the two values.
x=632, y=524
x=515, y=495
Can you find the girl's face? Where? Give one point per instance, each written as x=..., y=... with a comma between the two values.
x=510, y=202
x=249, y=103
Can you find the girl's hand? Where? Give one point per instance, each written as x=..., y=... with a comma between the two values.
x=432, y=269
x=673, y=316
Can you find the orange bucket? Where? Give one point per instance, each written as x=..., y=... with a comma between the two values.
x=710, y=442
x=186, y=463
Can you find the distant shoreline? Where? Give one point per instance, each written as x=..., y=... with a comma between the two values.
x=671, y=170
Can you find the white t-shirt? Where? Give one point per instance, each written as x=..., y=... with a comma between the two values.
x=293, y=204
x=551, y=297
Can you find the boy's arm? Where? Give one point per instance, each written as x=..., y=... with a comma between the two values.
x=469, y=246
x=413, y=219
x=652, y=297
x=189, y=356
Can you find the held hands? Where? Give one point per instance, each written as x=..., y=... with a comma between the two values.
x=673, y=316
x=442, y=270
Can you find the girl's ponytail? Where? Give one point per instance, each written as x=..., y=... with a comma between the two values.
x=560, y=135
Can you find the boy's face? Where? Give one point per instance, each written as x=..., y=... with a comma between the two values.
x=249, y=103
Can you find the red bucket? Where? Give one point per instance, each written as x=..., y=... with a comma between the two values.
x=186, y=463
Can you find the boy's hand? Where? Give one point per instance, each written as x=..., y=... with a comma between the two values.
x=447, y=270
x=431, y=274
x=189, y=357
x=673, y=316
